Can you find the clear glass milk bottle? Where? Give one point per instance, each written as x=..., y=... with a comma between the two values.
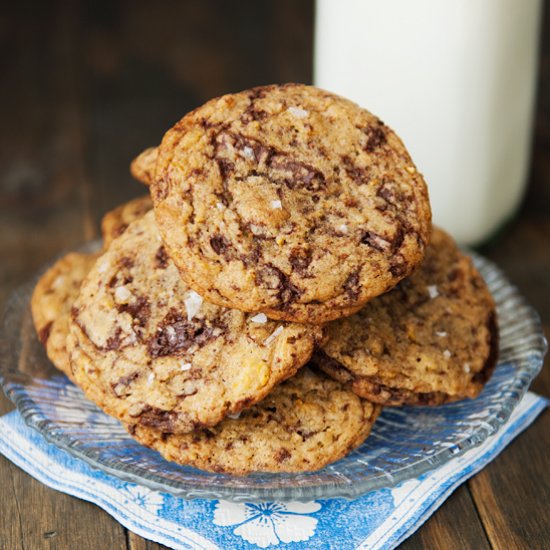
x=456, y=80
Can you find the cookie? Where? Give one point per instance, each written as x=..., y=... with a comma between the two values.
x=51, y=303
x=149, y=350
x=432, y=339
x=115, y=222
x=306, y=423
x=143, y=166
x=291, y=201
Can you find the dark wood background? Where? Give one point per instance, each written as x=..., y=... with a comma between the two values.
x=83, y=88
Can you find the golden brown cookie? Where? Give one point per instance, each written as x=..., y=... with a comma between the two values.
x=149, y=350
x=306, y=423
x=51, y=303
x=143, y=166
x=115, y=222
x=291, y=201
x=430, y=340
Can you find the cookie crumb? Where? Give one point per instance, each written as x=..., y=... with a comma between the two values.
x=259, y=318
x=273, y=335
x=298, y=112
x=193, y=304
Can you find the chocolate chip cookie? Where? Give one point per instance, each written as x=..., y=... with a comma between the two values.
x=115, y=222
x=149, y=350
x=51, y=304
x=291, y=201
x=431, y=340
x=307, y=422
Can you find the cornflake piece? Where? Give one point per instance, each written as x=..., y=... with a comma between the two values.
x=432, y=291
x=298, y=112
x=185, y=366
x=273, y=335
x=447, y=354
x=193, y=304
x=276, y=204
x=259, y=318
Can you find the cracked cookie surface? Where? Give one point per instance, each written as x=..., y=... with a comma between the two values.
x=51, y=303
x=430, y=340
x=291, y=201
x=307, y=422
x=149, y=350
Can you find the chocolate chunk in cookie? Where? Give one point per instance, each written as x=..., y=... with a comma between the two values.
x=291, y=201
x=306, y=423
x=150, y=351
x=432, y=339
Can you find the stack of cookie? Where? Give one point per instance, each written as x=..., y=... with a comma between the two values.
x=282, y=285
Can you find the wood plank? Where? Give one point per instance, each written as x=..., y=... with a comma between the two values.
x=135, y=542
x=513, y=493
x=454, y=526
x=39, y=517
x=43, y=210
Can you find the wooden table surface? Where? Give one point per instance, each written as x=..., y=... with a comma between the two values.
x=86, y=86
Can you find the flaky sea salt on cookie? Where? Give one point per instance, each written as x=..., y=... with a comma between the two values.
x=151, y=351
x=290, y=201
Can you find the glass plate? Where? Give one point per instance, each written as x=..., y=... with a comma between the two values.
x=405, y=442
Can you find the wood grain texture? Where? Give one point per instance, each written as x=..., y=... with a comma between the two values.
x=135, y=542
x=43, y=210
x=85, y=87
x=454, y=526
x=513, y=493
